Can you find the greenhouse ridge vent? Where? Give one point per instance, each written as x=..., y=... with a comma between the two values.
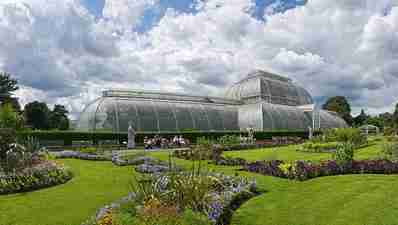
x=262, y=100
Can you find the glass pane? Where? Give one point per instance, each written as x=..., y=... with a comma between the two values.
x=215, y=117
x=230, y=118
x=200, y=117
x=148, y=118
x=106, y=116
x=167, y=121
x=127, y=113
x=184, y=118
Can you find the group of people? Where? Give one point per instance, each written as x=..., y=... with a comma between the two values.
x=162, y=142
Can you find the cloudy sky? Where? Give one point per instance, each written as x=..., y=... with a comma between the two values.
x=68, y=51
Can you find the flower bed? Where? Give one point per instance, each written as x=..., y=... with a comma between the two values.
x=304, y=170
x=207, y=198
x=82, y=155
x=43, y=175
x=230, y=161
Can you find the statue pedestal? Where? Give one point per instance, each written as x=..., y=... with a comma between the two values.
x=130, y=144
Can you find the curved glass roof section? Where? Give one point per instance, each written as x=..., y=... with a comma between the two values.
x=262, y=100
x=157, y=112
x=268, y=87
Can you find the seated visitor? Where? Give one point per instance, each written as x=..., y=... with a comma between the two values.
x=175, y=141
x=157, y=141
x=164, y=143
x=147, y=143
x=181, y=141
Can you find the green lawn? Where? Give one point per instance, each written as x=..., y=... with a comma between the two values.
x=94, y=185
x=340, y=200
x=289, y=153
x=337, y=200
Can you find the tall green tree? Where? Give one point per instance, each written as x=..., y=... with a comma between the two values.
x=387, y=119
x=395, y=116
x=340, y=105
x=9, y=118
x=7, y=87
x=59, y=118
x=361, y=119
x=37, y=115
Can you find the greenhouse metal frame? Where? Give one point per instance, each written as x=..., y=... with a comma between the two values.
x=261, y=101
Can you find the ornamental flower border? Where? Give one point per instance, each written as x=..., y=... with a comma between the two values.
x=305, y=170
x=43, y=175
x=220, y=210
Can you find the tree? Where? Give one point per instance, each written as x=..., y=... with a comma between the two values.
x=37, y=115
x=7, y=87
x=340, y=105
x=375, y=121
x=361, y=118
x=59, y=118
x=9, y=118
x=395, y=116
x=7, y=84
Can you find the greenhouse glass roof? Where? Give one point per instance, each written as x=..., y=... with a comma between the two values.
x=262, y=101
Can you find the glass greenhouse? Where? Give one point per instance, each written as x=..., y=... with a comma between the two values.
x=262, y=101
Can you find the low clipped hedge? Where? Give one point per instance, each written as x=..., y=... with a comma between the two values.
x=69, y=136
x=40, y=176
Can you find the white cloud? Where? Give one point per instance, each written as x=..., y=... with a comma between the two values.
x=125, y=14
x=62, y=53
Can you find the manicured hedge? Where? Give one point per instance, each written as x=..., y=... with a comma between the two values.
x=69, y=136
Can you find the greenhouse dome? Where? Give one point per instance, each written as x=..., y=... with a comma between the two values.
x=271, y=88
x=262, y=101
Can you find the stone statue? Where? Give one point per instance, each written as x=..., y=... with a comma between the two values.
x=131, y=137
x=310, y=134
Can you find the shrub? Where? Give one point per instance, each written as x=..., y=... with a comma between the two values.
x=209, y=194
x=88, y=150
x=159, y=216
x=228, y=140
x=352, y=135
x=392, y=138
x=390, y=151
x=7, y=137
x=31, y=144
x=318, y=147
x=389, y=131
x=9, y=118
x=344, y=152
